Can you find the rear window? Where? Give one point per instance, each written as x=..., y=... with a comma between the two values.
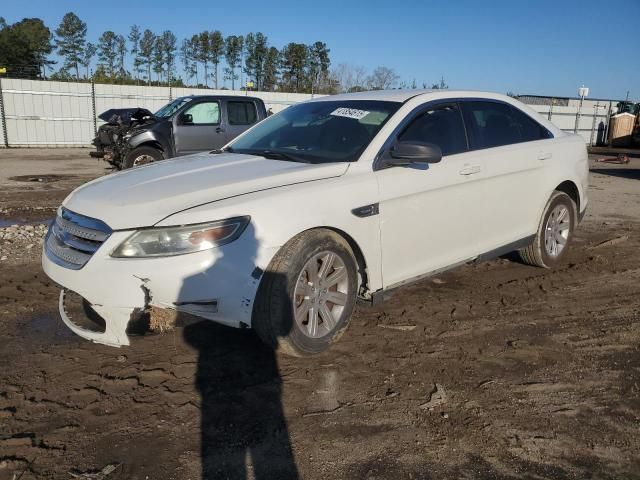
x=492, y=124
x=241, y=113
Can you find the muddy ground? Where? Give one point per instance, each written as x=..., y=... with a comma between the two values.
x=537, y=372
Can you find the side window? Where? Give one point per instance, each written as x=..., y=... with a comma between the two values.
x=205, y=113
x=492, y=124
x=241, y=113
x=441, y=126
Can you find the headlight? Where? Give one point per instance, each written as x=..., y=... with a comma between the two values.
x=168, y=241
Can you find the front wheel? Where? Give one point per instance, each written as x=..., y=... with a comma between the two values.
x=307, y=294
x=141, y=156
x=554, y=234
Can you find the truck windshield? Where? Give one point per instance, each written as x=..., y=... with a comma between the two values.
x=318, y=132
x=172, y=107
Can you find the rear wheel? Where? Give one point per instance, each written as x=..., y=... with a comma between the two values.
x=554, y=232
x=141, y=156
x=307, y=294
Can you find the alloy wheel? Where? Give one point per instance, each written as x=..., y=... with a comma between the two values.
x=320, y=295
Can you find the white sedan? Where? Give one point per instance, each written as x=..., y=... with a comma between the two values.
x=329, y=201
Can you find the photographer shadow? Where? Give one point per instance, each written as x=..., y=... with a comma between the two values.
x=243, y=429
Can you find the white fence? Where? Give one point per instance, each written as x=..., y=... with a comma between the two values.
x=44, y=113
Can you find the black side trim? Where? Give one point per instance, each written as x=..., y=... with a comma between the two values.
x=367, y=210
x=383, y=294
x=498, y=252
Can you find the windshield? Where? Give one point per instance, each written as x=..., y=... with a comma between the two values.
x=318, y=132
x=172, y=107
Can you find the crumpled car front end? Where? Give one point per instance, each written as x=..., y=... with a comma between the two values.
x=218, y=284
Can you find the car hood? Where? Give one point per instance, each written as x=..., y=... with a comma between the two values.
x=142, y=196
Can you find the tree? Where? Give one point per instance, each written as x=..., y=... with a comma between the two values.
x=294, y=62
x=215, y=52
x=134, y=38
x=25, y=46
x=271, y=69
x=188, y=49
x=88, y=54
x=257, y=47
x=350, y=78
x=318, y=64
x=168, y=44
x=70, y=40
x=158, y=57
x=233, y=46
x=38, y=38
x=202, y=52
x=439, y=86
x=147, y=44
x=382, y=78
x=121, y=50
x=108, y=52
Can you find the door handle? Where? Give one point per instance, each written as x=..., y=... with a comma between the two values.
x=470, y=170
x=544, y=155
x=219, y=130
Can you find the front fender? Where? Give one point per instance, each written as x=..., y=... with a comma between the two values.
x=150, y=137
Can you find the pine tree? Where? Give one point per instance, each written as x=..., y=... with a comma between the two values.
x=233, y=46
x=134, y=38
x=147, y=44
x=121, y=50
x=70, y=40
x=216, y=51
x=108, y=52
x=88, y=54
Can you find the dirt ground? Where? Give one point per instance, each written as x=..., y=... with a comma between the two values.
x=495, y=370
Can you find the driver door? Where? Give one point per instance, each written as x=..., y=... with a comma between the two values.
x=429, y=212
x=198, y=129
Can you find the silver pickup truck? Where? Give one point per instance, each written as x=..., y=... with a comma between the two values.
x=197, y=123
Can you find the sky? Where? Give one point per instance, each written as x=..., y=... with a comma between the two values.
x=542, y=47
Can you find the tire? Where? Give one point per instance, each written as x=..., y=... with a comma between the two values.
x=289, y=278
x=540, y=252
x=133, y=157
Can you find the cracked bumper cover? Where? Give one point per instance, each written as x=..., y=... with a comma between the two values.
x=119, y=288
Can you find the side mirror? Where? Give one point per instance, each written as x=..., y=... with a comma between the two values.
x=406, y=153
x=186, y=119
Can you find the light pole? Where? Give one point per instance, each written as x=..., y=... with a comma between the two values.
x=583, y=92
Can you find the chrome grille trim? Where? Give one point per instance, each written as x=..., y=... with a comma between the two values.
x=72, y=239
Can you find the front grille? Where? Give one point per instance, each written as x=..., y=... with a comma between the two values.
x=72, y=239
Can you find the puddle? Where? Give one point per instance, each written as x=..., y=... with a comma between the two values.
x=41, y=178
x=8, y=222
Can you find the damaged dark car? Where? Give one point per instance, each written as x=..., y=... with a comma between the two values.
x=135, y=136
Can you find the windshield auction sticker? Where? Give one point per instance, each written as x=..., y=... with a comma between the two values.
x=350, y=113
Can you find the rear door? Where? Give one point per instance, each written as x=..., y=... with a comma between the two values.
x=513, y=149
x=240, y=115
x=198, y=128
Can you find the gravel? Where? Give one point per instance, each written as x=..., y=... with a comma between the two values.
x=21, y=241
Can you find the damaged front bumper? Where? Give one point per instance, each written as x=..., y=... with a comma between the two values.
x=113, y=333
x=218, y=284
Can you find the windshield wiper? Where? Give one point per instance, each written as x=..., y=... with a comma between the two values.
x=273, y=155
x=221, y=150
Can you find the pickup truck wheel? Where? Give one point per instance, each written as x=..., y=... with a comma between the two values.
x=141, y=156
x=307, y=294
x=554, y=232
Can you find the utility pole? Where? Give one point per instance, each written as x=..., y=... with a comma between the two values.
x=583, y=92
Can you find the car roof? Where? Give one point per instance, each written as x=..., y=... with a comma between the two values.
x=404, y=95
x=230, y=97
